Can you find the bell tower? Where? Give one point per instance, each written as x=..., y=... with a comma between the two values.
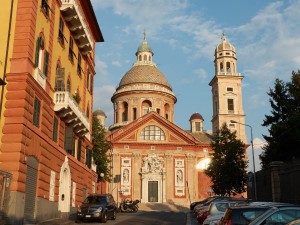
x=227, y=91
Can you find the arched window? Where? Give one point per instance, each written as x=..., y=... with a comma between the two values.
x=140, y=58
x=228, y=68
x=145, y=57
x=41, y=56
x=153, y=133
x=167, y=110
x=149, y=58
x=146, y=106
x=221, y=67
x=125, y=112
x=59, y=78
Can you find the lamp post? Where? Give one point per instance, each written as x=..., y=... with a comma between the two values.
x=253, y=161
x=101, y=181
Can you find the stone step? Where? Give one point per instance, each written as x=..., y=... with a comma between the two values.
x=162, y=207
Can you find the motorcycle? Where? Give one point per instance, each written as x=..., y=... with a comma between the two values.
x=129, y=206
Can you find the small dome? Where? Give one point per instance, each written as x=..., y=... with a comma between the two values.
x=196, y=116
x=144, y=47
x=99, y=112
x=224, y=45
x=144, y=74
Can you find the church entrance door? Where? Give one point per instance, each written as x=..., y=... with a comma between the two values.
x=152, y=191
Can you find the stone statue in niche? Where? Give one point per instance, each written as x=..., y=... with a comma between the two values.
x=152, y=164
x=179, y=177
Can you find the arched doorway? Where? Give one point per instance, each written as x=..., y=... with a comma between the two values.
x=64, y=188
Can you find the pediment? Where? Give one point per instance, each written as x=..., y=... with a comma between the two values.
x=230, y=94
x=132, y=133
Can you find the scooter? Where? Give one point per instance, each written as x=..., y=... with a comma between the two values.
x=129, y=206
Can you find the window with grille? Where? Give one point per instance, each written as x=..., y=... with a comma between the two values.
x=36, y=112
x=153, y=133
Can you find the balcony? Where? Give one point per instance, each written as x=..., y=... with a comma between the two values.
x=73, y=15
x=70, y=112
x=40, y=77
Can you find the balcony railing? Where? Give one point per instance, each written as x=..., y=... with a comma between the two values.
x=74, y=16
x=40, y=77
x=70, y=112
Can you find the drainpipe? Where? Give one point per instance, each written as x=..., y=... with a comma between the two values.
x=6, y=56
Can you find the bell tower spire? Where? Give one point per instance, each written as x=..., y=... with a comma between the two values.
x=227, y=90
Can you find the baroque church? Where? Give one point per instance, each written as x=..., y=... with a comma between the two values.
x=153, y=159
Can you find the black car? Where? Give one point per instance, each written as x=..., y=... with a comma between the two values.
x=242, y=214
x=98, y=207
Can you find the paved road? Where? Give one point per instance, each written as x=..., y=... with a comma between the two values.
x=139, y=218
x=147, y=218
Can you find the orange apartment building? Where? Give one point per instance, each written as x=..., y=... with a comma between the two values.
x=47, y=60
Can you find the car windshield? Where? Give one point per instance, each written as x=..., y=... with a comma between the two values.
x=95, y=200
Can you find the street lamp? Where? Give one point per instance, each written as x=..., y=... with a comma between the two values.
x=101, y=181
x=253, y=161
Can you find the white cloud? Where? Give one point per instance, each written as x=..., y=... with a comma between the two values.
x=102, y=96
x=201, y=73
x=116, y=63
x=101, y=72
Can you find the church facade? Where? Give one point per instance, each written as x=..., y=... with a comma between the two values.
x=153, y=159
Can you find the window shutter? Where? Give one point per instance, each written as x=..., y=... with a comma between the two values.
x=37, y=51
x=46, y=60
x=79, y=150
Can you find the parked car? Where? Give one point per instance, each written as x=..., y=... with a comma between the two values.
x=200, y=207
x=193, y=204
x=242, y=214
x=216, y=211
x=278, y=215
x=97, y=207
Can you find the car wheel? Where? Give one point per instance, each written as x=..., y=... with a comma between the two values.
x=114, y=216
x=104, y=217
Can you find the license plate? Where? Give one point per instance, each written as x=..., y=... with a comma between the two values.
x=87, y=216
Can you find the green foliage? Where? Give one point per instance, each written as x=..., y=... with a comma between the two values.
x=284, y=130
x=227, y=169
x=101, y=148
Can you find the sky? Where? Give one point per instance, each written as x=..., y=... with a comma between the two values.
x=183, y=35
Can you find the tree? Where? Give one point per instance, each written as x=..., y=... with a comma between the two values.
x=227, y=169
x=100, y=149
x=284, y=130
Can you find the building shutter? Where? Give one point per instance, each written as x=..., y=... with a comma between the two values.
x=46, y=61
x=30, y=191
x=37, y=51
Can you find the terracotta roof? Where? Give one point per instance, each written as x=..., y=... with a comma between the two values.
x=144, y=74
x=202, y=137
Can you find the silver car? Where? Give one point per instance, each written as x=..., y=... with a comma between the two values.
x=278, y=215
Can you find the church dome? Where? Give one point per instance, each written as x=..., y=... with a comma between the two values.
x=144, y=47
x=144, y=74
x=196, y=116
x=224, y=45
x=99, y=112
